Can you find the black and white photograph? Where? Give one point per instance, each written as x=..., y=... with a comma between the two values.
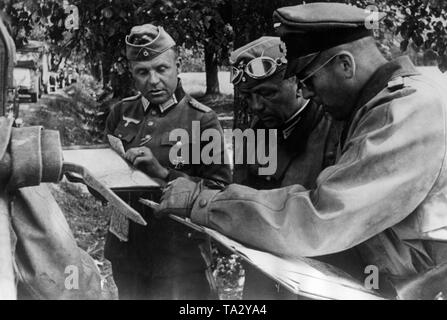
x=223, y=153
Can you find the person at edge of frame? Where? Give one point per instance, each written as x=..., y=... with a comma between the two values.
x=39, y=256
x=162, y=260
x=385, y=193
x=306, y=141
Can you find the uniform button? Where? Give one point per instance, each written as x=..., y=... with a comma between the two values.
x=120, y=135
x=150, y=123
x=203, y=203
x=153, y=112
x=189, y=234
x=268, y=178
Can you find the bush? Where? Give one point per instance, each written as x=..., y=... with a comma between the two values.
x=74, y=113
x=192, y=60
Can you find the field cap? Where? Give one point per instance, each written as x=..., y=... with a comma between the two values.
x=147, y=41
x=309, y=29
x=256, y=61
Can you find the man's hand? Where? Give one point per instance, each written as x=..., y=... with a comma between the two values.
x=179, y=197
x=143, y=158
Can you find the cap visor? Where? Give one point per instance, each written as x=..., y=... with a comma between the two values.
x=297, y=65
x=290, y=71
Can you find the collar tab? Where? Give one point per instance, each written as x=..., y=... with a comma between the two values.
x=172, y=101
x=293, y=121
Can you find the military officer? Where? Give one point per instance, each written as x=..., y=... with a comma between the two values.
x=164, y=259
x=307, y=136
x=385, y=194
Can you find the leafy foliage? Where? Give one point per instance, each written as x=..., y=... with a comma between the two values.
x=228, y=270
x=416, y=25
x=104, y=24
x=211, y=26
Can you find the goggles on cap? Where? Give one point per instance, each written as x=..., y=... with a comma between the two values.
x=141, y=40
x=257, y=68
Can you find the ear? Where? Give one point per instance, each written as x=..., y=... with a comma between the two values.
x=130, y=67
x=347, y=65
x=178, y=63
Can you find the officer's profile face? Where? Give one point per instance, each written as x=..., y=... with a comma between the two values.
x=156, y=79
x=328, y=87
x=274, y=101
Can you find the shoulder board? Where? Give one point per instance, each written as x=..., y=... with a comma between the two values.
x=199, y=106
x=133, y=98
x=396, y=84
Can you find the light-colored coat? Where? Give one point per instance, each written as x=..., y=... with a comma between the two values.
x=386, y=193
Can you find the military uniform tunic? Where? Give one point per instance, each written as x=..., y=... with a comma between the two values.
x=163, y=259
x=307, y=143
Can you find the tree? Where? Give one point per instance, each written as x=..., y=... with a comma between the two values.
x=419, y=25
x=104, y=25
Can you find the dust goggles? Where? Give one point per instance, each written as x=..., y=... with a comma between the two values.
x=257, y=68
x=141, y=40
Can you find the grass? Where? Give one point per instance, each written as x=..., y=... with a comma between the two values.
x=71, y=114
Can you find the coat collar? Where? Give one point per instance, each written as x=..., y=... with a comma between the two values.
x=290, y=124
x=399, y=67
x=178, y=95
x=296, y=141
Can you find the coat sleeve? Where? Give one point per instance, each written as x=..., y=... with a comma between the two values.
x=46, y=252
x=388, y=166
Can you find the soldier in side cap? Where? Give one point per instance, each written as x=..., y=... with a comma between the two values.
x=307, y=136
x=164, y=259
x=386, y=192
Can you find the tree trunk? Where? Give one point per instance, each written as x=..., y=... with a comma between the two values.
x=101, y=74
x=212, y=79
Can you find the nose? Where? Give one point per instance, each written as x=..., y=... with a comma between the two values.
x=153, y=78
x=256, y=103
